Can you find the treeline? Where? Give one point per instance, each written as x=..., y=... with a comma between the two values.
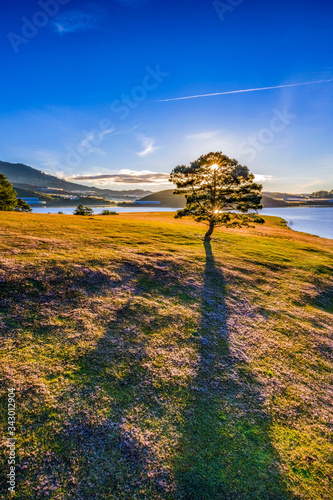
x=322, y=194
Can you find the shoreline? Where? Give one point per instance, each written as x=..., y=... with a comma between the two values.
x=308, y=220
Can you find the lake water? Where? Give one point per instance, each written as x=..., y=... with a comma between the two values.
x=40, y=209
x=312, y=220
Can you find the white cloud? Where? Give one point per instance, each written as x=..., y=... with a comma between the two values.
x=263, y=178
x=92, y=140
x=202, y=135
x=124, y=176
x=86, y=145
x=147, y=144
x=60, y=174
x=78, y=20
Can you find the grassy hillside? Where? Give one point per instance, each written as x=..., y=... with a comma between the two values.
x=168, y=199
x=25, y=193
x=149, y=366
x=18, y=173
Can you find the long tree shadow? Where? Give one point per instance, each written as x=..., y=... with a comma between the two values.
x=95, y=438
x=119, y=422
x=225, y=450
x=110, y=444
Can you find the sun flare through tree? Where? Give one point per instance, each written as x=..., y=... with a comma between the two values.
x=218, y=191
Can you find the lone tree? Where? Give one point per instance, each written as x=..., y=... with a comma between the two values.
x=213, y=185
x=8, y=200
x=81, y=210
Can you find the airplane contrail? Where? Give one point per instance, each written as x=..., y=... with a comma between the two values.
x=244, y=90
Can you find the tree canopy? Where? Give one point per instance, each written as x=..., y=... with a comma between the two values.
x=322, y=194
x=82, y=210
x=8, y=200
x=218, y=191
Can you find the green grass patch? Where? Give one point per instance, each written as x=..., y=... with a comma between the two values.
x=150, y=366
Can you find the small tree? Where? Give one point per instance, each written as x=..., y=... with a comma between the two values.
x=8, y=200
x=213, y=185
x=109, y=212
x=22, y=206
x=81, y=210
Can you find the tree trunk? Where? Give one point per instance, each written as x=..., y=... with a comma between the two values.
x=210, y=230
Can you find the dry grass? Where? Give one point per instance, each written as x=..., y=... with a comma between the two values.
x=149, y=366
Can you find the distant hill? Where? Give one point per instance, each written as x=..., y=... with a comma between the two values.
x=18, y=173
x=24, y=193
x=270, y=202
x=29, y=178
x=168, y=199
x=283, y=196
x=27, y=193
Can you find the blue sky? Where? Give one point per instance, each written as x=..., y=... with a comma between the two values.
x=82, y=85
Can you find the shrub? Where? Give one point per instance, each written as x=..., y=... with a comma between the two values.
x=109, y=212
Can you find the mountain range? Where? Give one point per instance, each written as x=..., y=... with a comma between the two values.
x=25, y=177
